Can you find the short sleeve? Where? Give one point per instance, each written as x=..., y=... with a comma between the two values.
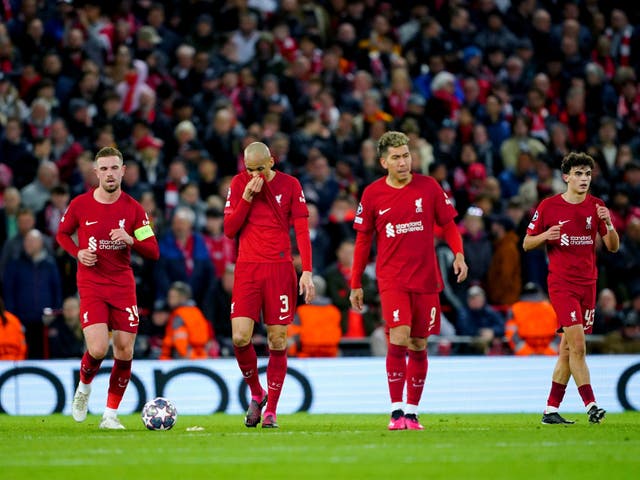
x=602, y=225
x=536, y=225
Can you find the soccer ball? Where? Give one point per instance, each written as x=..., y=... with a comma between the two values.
x=159, y=414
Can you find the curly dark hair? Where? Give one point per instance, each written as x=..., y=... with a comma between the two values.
x=576, y=159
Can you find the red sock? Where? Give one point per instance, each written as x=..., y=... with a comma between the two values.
x=118, y=381
x=416, y=374
x=276, y=371
x=556, y=394
x=396, y=371
x=248, y=363
x=586, y=392
x=89, y=366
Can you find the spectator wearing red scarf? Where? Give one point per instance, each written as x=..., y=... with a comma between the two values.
x=575, y=118
x=184, y=257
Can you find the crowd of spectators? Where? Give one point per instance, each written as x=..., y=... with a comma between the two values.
x=491, y=93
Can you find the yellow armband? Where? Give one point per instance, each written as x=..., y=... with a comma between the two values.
x=143, y=233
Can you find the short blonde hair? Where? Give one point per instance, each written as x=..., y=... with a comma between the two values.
x=391, y=139
x=108, y=152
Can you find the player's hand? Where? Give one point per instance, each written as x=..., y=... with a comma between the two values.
x=460, y=268
x=87, y=257
x=120, y=234
x=254, y=186
x=356, y=297
x=306, y=286
x=553, y=233
x=603, y=214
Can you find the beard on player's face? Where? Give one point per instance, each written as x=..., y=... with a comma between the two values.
x=110, y=187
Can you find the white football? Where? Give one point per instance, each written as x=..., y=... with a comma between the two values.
x=159, y=414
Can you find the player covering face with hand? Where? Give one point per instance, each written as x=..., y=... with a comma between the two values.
x=108, y=223
x=262, y=205
x=567, y=224
x=403, y=210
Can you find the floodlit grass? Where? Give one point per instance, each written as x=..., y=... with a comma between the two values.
x=453, y=446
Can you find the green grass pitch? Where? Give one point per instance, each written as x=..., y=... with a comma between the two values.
x=452, y=446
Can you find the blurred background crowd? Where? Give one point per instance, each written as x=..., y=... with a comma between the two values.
x=492, y=93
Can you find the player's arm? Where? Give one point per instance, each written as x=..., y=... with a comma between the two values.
x=532, y=242
x=143, y=240
x=66, y=228
x=146, y=243
x=454, y=240
x=235, y=216
x=611, y=239
x=64, y=237
x=303, y=240
x=65, y=240
x=364, y=240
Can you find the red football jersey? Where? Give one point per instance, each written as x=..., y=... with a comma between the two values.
x=93, y=222
x=404, y=220
x=264, y=237
x=572, y=258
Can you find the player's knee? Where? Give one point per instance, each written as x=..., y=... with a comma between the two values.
x=123, y=352
x=578, y=349
x=241, y=339
x=277, y=343
x=98, y=351
x=416, y=343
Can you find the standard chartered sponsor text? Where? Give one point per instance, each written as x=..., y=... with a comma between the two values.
x=580, y=240
x=111, y=245
x=409, y=227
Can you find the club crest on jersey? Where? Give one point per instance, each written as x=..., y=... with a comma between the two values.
x=389, y=230
x=588, y=226
x=419, y=205
x=359, y=210
x=121, y=223
x=279, y=198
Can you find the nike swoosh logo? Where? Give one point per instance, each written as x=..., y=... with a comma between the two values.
x=87, y=223
x=394, y=380
x=133, y=324
x=282, y=317
x=562, y=222
x=382, y=212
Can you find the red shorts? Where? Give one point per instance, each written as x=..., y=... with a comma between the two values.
x=420, y=311
x=270, y=288
x=574, y=304
x=119, y=311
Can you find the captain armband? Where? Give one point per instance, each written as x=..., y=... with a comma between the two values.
x=143, y=233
